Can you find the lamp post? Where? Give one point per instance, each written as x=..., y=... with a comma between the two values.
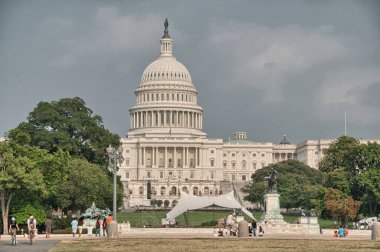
x=115, y=157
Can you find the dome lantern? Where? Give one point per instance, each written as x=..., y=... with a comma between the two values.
x=166, y=41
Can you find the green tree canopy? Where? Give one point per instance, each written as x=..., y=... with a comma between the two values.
x=354, y=170
x=20, y=174
x=86, y=183
x=69, y=125
x=298, y=184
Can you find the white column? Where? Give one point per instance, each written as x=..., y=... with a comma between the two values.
x=196, y=157
x=171, y=118
x=144, y=157
x=175, y=158
x=151, y=118
x=183, y=119
x=187, y=156
x=164, y=117
x=166, y=157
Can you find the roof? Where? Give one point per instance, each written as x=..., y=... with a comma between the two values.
x=191, y=202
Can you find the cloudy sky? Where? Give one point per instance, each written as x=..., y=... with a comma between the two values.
x=266, y=67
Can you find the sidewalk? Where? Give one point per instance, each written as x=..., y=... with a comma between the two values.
x=194, y=233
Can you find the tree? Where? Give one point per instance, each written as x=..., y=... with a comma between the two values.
x=166, y=203
x=369, y=186
x=20, y=174
x=340, y=206
x=298, y=184
x=353, y=169
x=87, y=183
x=69, y=125
x=337, y=154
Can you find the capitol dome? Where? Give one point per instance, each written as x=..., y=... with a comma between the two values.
x=166, y=99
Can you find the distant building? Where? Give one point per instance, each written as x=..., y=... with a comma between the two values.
x=166, y=144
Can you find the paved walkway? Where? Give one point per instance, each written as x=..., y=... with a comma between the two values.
x=43, y=245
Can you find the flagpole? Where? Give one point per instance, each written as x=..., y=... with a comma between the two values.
x=345, y=122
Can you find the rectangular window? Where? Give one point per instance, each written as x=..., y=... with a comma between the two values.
x=233, y=177
x=224, y=164
x=212, y=151
x=262, y=164
x=161, y=174
x=263, y=154
x=192, y=174
x=179, y=174
x=243, y=177
x=254, y=165
x=233, y=154
x=148, y=174
x=127, y=175
x=212, y=163
x=233, y=165
x=224, y=154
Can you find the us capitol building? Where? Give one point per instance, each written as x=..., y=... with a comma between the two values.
x=166, y=150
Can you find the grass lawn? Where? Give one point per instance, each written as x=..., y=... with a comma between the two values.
x=196, y=218
x=215, y=244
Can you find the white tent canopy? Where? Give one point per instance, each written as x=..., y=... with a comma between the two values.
x=191, y=202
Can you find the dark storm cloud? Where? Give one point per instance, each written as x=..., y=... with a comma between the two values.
x=267, y=67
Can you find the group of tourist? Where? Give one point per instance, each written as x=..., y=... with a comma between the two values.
x=100, y=226
x=341, y=232
x=232, y=225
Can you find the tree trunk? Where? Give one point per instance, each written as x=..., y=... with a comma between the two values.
x=5, y=209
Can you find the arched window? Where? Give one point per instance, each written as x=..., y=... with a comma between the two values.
x=184, y=189
x=174, y=191
x=163, y=191
x=206, y=191
x=174, y=203
x=195, y=191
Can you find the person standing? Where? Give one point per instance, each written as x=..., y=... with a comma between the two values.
x=97, y=227
x=104, y=226
x=253, y=227
x=48, y=227
x=74, y=226
x=80, y=226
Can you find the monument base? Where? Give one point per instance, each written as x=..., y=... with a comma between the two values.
x=311, y=229
x=272, y=213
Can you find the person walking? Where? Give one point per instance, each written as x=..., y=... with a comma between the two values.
x=74, y=226
x=80, y=225
x=253, y=227
x=48, y=227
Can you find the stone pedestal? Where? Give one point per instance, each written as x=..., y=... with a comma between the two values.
x=112, y=231
x=243, y=229
x=272, y=209
x=376, y=231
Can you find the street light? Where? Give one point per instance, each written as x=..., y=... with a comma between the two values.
x=115, y=156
